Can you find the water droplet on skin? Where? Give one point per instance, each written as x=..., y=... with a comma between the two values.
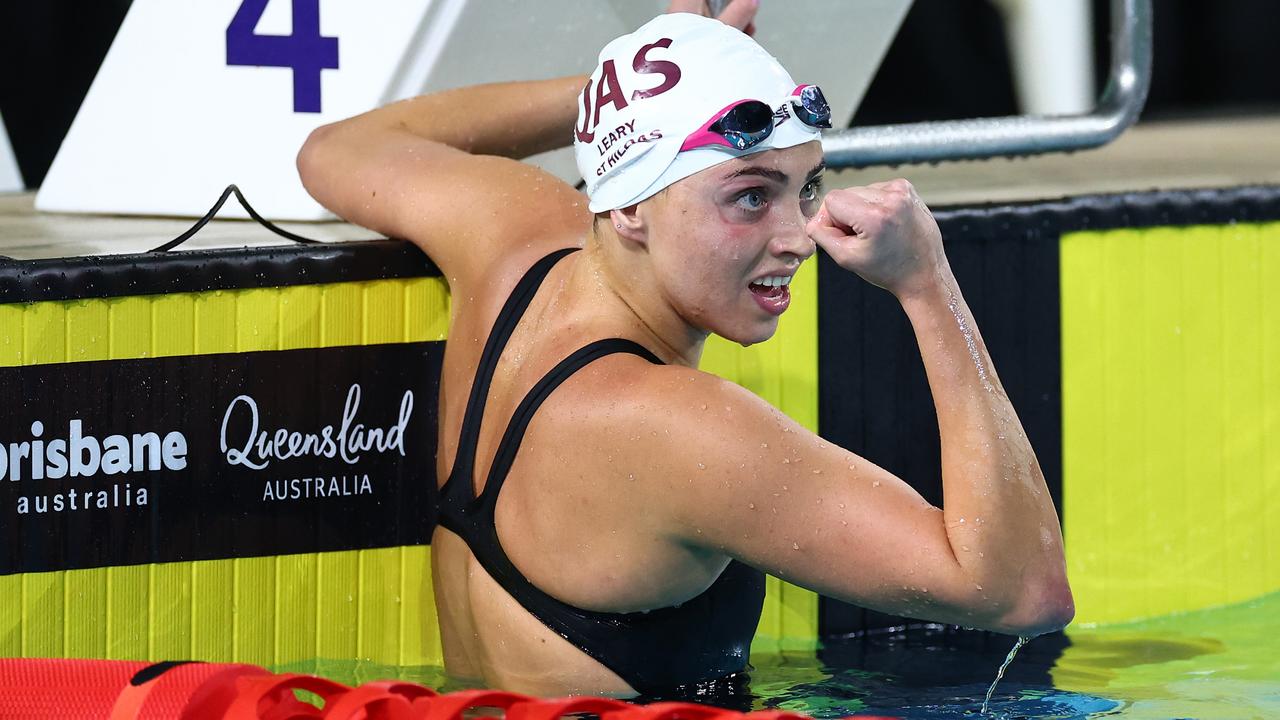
x=704, y=406
x=817, y=472
x=785, y=488
x=764, y=445
x=841, y=506
x=751, y=506
x=701, y=466
x=795, y=546
x=875, y=483
x=964, y=548
x=982, y=555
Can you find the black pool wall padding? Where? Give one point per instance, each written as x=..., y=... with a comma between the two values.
x=873, y=395
x=181, y=271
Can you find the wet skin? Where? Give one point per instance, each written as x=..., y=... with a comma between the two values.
x=706, y=239
x=679, y=268
x=636, y=483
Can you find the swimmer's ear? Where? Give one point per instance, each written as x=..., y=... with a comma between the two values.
x=630, y=225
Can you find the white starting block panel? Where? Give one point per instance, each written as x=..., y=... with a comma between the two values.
x=194, y=96
x=10, y=178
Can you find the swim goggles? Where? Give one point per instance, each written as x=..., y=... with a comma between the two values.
x=748, y=123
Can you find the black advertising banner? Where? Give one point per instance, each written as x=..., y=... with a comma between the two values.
x=121, y=462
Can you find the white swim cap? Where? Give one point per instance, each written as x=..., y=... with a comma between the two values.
x=656, y=86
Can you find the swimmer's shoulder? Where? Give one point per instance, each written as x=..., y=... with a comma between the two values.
x=675, y=406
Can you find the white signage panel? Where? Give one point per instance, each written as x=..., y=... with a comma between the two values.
x=194, y=96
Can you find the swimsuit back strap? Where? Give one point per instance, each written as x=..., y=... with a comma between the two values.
x=508, y=319
x=514, y=434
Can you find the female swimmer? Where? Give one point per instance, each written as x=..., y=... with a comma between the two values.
x=640, y=498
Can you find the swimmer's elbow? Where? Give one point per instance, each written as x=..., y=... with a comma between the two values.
x=311, y=159
x=1044, y=606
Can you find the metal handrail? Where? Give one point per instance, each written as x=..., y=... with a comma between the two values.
x=1118, y=107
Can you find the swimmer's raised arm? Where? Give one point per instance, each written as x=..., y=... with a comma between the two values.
x=1000, y=521
x=442, y=169
x=754, y=485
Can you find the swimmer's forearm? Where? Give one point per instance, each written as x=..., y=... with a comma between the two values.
x=513, y=120
x=1000, y=519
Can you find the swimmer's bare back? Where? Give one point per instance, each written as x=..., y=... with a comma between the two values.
x=636, y=483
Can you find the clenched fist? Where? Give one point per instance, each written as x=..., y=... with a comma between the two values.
x=884, y=233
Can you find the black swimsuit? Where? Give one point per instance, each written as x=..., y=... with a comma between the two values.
x=704, y=638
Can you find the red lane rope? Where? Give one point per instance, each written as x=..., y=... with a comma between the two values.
x=674, y=711
x=118, y=690
x=273, y=697
x=554, y=709
x=165, y=691
x=452, y=705
x=382, y=700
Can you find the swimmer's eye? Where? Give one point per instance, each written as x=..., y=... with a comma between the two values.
x=812, y=190
x=752, y=200
x=810, y=194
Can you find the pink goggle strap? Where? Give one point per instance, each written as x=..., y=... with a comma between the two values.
x=703, y=136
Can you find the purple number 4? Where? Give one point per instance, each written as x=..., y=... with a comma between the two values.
x=306, y=51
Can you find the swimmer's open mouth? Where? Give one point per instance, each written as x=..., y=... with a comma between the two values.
x=773, y=287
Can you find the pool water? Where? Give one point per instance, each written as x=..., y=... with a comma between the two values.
x=1222, y=663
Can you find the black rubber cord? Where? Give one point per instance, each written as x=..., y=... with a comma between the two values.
x=248, y=208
